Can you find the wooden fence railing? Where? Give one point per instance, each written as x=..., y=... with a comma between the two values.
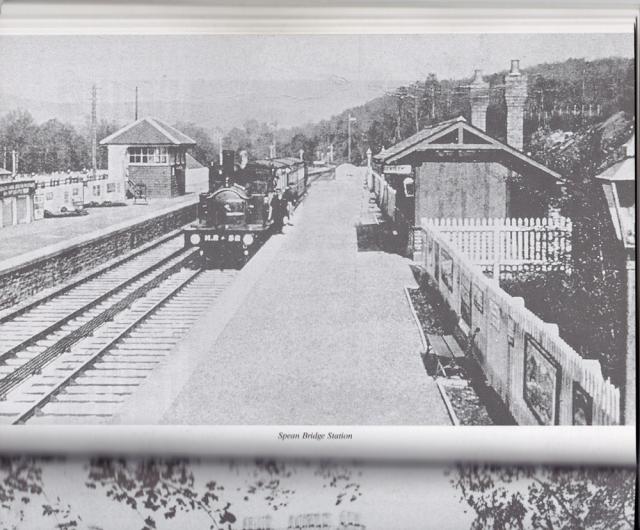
x=506, y=245
x=385, y=194
x=537, y=374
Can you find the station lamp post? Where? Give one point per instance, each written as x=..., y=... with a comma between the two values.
x=618, y=185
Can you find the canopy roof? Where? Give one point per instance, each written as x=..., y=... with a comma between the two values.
x=457, y=135
x=624, y=169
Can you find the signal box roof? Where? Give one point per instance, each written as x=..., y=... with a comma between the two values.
x=148, y=131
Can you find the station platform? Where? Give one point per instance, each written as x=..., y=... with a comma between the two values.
x=38, y=236
x=316, y=329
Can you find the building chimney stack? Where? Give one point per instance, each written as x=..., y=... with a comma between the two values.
x=479, y=93
x=515, y=95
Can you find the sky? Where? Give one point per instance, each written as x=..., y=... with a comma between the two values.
x=222, y=81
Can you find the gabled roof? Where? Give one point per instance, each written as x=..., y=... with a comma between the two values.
x=416, y=138
x=428, y=140
x=147, y=131
x=624, y=169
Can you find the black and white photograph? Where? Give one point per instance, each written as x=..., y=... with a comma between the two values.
x=103, y=493
x=432, y=229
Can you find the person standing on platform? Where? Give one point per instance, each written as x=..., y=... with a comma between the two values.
x=289, y=197
x=278, y=211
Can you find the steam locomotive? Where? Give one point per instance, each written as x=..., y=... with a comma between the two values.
x=233, y=216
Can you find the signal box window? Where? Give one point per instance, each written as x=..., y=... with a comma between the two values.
x=148, y=155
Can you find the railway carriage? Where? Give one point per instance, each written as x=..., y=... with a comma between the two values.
x=64, y=193
x=58, y=194
x=233, y=216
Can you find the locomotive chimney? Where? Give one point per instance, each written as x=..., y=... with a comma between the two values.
x=479, y=93
x=515, y=95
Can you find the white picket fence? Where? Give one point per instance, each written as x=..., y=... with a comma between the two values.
x=509, y=244
x=538, y=375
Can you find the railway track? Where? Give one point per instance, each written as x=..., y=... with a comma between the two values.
x=81, y=354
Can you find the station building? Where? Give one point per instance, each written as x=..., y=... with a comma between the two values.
x=462, y=172
x=16, y=200
x=151, y=154
x=197, y=176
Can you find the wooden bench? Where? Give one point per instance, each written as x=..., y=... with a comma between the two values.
x=445, y=347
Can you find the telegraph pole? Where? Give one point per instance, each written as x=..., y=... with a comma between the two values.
x=94, y=130
x=136, y=111
x=351, y=118
x=272, y=149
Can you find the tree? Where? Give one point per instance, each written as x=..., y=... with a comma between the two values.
x=516, y=497
x=105, y=128
x=205, y=150
x=589, y=305
x=301, y=141
x=155, y=488
x=17, y=131
x=162, y=488
x=21, y=484
x=57, y=147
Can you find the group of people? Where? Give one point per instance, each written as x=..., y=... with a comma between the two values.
x=280, y=207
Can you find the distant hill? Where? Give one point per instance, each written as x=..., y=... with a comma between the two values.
x=565, y=95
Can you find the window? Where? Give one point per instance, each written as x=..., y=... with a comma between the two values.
x=96, y=190
x=181, y=157
x=76, y=191
x=111, y=187
x=478, y=298
x=409, y=187
x=66, y=196
x=49, y=196
x=148, y=155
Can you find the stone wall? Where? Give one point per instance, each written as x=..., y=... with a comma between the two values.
x=23, y=281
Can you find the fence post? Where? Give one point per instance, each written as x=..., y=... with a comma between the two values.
x=497, y=249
